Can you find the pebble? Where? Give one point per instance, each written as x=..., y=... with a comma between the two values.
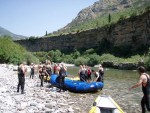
x=35, y=100
x=47, y=100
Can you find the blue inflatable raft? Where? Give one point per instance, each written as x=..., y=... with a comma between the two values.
x=77, y=86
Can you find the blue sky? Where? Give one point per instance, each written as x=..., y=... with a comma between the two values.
x=35, y=17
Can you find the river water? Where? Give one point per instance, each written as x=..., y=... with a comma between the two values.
x=116, y=84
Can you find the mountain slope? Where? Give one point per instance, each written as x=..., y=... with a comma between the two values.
x=96, y=15
x=14, y=36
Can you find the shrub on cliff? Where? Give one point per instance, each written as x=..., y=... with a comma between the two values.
x=11, y=52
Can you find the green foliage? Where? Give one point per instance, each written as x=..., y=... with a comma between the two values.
x=11, y=52
x=93, y=60
x=147, y=8
x=81, y=61
x=42, y=56
x=76, y=54
x=89, y=57
x=89, y=51
x=109, y=18
x=32, y=39
x=29, y=58
x=122, y=17
x=147, y=60
x=68, y=58
x=107, y=57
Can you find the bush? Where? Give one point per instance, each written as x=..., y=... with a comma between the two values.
x=30, y=58
x=11, y=52
x=42, y=56
x=68, y=59
x=89, y=51
x=93, y=60
x=107, y=57
x=81, y=61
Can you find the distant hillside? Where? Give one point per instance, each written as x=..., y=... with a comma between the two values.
x=8, y=33
x=97, y=14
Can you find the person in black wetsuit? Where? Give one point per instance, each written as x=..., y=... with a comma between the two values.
x=143, y=79
x=97, y=76
x=101, y=72
x=49, y=70
x=82, y=73
x=62, y=75
x=21, y=77
x=32, y=71
x=43, y=73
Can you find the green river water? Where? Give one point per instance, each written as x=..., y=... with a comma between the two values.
x=116, y=84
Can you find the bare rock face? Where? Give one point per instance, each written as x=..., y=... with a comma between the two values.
x=99, y=8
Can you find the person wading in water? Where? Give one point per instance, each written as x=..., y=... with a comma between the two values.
x=97, y=76
x=143, y=81
x=101, y=72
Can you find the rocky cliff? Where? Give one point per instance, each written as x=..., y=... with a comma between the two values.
x=102, y=8
x=130, y=36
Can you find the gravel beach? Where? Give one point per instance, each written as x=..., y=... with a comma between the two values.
x=47, y=100
x=35, y=100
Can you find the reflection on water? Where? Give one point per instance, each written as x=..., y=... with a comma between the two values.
x=116, y=84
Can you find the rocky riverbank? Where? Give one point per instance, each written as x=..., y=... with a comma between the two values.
x=35, y=100
x=47, y=100
x=122, y=66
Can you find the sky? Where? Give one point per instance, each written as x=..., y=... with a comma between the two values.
x=35, y=17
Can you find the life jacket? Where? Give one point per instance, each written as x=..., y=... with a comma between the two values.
x=43, y=72
x=62, y=72
x=20, y=72
x=82, y=72
x=88, y=72
x=101, y=72
x=146, y=92
x=49, y=71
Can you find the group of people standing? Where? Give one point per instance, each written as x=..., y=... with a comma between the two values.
x=85, y=73
x=45, y=71
x=58, y=69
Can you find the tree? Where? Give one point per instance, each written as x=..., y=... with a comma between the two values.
x=109, y=18
x=46, y=33
x=10, y=52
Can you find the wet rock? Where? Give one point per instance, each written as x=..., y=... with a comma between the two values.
x=127, y=66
